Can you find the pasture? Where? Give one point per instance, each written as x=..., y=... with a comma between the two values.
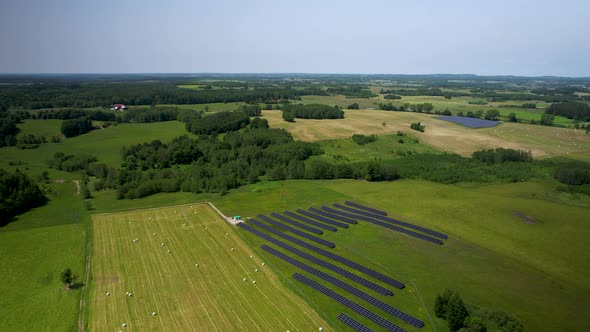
x=165, y=279
x=540, y=140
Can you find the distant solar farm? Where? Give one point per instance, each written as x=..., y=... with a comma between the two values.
x=469, y=122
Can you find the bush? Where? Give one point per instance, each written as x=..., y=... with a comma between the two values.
x=70, y=162
x=313, y=111
x=363, y=139
x=18, y=194
x=418, y=126
x=353, y=106
x=217, y=123
x=76, y=127
x=500, y=155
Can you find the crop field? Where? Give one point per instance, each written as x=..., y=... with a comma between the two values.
x=443, y=135
x=166, y=280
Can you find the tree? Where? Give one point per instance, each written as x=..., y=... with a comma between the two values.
x=418, y=126
x=68, y=278
x=512, y=117
x=456, y=312
x=492, y=115
x=547, y=119
x=353, y=106
x=441, y=302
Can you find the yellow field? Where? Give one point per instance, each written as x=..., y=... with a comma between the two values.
x=210, y=297
x=540, y=140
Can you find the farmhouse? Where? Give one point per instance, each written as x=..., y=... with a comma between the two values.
x=118, y=107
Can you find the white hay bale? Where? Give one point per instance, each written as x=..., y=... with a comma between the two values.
x=262, y=264
x=321, y=329
x=126, y=293
x=124, y=325
x=226, y=234
x=168, y=250
x=108, y=294
x=163, y=244
x=130, y=294
x=154, y=234
x=206, y=228
x=153, y=313
x=244, y=279
x=256, y=270
x=254, y=281
x=130, y=223
x=251, y=256
x=196, y=265
x=232, y=249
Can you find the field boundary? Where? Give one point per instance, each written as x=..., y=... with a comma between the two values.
x=87, y=272
x=228, y=219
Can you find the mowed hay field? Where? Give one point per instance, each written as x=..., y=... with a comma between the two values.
x=541, y=141
x=210, y=297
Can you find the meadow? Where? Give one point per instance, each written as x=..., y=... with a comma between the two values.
x=166, y=280
x=542, y=141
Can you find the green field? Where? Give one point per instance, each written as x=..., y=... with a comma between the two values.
x=210, y=107
x=105, y=144
x=35, y=248
x=165, y=280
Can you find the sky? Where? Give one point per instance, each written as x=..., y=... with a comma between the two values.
x=516, y=37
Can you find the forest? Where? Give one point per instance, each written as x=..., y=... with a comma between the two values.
x=18, y=193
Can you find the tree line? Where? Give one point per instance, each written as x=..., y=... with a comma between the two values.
x=18, y=194
x=311, y=111
x=41, y=96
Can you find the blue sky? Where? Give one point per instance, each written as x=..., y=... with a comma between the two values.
x=500, y=37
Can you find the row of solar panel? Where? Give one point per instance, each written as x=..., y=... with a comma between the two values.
x=352, y=290
x=365, y=208
x=296, y=231
x=389, y=326
x=394, y=221
x=331, y=255
x=320, y=262
x=291, y=238
x=311, y=222
x=384, y=224
x=333, y=216
x=353, y=323
x=315, y=216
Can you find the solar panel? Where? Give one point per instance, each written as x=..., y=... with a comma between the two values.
x=292, y=230
x=311, y=222
x=320, y=262
x=353, y=323
x=386, y=225
x=291, y=238
x=347, y=287
x=333, y=216
x=389, y=326
x=331, y=255
x=295, y=223
x=393, y=221
x=315, y=216
x=366, y=208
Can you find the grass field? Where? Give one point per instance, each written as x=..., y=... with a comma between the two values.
x=443, y=135
x=35, y=248
x=210, y=297
x=211, y=107
x=105, y=144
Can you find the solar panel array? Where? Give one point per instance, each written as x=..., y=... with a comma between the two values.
x=393, y=221
x=298, y=232
x=353, y=323
x=315, y=216
x=289, y=237
x=333, y=216
x=311, y=258
x=352, y=290
x=386, y=225
x=309, y=221
x=366, y=208
x=389, y=326
x=338, y=258
x=295, y=223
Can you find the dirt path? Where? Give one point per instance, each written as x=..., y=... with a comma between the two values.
x=228, y=219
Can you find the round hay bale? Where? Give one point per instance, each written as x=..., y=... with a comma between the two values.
x=262, y=264
x=168, y=250
x=108, y=294
x=124, y=325
x=232, y=249
x=254, y=281
x=196, y=265
x=244, y=279
x=321, y=329
x=251, y=256
x=256, y=270
x=163, y=244
x=206, y=228
x=153, y=313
